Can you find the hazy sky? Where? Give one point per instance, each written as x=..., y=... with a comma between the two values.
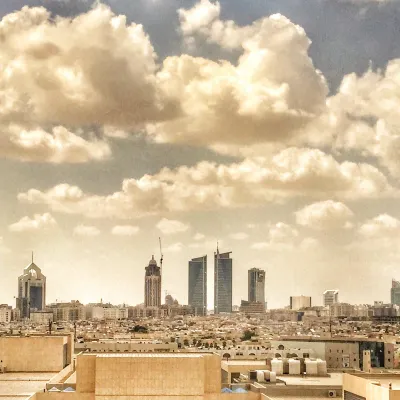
x=270, y=126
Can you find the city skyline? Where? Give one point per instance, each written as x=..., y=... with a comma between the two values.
x=284, y=152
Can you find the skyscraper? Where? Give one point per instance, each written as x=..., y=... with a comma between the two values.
x=152, y=284
x=331, y=297
x=222, y=282
x=31, y=290
x=198, y=285
x=300, y=302
x=256, y=283
x=395, y=292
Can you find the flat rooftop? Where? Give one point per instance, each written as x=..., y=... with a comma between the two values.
x=148, y=355
x=334, y=379
x=21, y=385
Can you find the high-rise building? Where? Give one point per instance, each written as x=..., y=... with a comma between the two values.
x=31, y=290
x=299, y=302
x=331, y=297
x=222, y=282
x=152, y=284
x=395, y=292
x=256, y=283
x=198, y=285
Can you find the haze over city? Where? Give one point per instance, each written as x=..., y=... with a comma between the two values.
x=272, y=129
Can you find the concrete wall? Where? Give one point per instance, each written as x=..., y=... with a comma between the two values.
x=33, y=353
x=86, y=373
x=150, y=376
x=317, y=347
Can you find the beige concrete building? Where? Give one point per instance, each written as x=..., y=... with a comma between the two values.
x=36, y=353
x=42, y=317
x=363, y=386
x=127, y=346
x=5, y=313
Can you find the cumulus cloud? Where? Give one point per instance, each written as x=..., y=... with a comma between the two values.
x=199, y=236
x=39, y=222
x=280, y=236
x=239, y=236
x=362, y=117
x=291, y=173
x=173, y=248
x=325, y=215
x=85, y=230
x=381, y=226
x=74, y=73
x=58, y=146
x=124, y=230
x=272, y=91
x=170, y=226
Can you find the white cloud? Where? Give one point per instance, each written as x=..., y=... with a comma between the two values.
x=58, y=146
x=280, y=237
x=124, y=230
x=239, y=236
x=74, y=72
x=260, y=99
x=325, y=215
x=291, y=173
x=85, y=230
x=170, y=226
x=198, y=236
x=39, y=222
x=173, y=248
x=381, y=226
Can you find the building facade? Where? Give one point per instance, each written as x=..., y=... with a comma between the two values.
x=152, y=284
x=222, y=282
x=395, y=292
x=31, y=290
x=198, y=285
x=300, y=302
x=256, y=286
x=331, y=297
x=5, y=313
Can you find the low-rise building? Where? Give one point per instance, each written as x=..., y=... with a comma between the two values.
x=5, y=313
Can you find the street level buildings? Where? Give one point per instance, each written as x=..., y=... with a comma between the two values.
x=198, y=285
x=31, y=290
x=222, y=282
x=152, y=284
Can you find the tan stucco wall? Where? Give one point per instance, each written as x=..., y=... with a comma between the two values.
x=32, y=354
x=212, y=372
x=86, y=373
x=63, y=396
x=335, y=351
x=150, y=376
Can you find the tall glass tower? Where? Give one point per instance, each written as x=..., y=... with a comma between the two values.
x=395, y=292
x=256, y=282
x=198, y=285
x=31, y=290
x=222, y=282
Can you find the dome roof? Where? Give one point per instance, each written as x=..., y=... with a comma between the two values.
x=152, y=261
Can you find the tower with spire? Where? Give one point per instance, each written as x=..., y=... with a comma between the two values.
x=31, y=290
x=152, y=284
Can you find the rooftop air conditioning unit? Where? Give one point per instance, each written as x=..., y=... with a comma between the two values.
x=332, y=393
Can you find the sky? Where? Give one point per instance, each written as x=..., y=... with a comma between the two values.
x=271, y=127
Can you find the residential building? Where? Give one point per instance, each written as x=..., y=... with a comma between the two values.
x=31, y=290
x=5, y=313
x=341, y=310
x=198, y=285
x=42, y=317
x=252, y=307
x=152, y=284
x=395, y=292
x=222, y=282
x=331, y=297
x=300, y=302
x=256, y=285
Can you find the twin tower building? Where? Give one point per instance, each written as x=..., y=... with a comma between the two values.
x=222, y=284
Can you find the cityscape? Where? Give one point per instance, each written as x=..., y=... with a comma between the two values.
x=199, y=199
